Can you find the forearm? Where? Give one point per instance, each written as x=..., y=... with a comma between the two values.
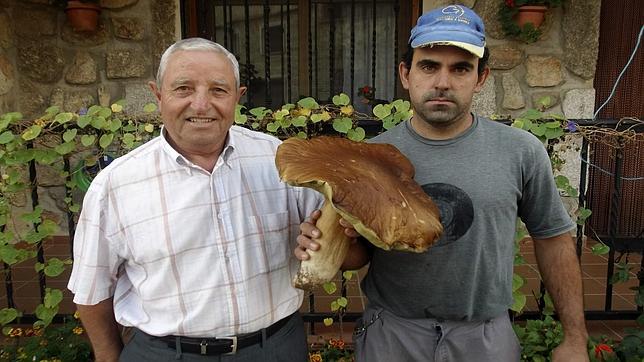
x=561, y=274
x=357, y=256
x=102, y=329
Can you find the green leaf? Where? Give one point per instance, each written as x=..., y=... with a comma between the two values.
x=517, y=123
x=334, y=306
x=31, y=132
x=53, y=297
x=272, y=127
x=519, y=301
x=279, y=115
x=308, y=102
x=98, y=122
x=115, y=125
x=48, y=227
x=342, y=125
x=341, y=99
x=6, y=137
x=39, y=266
x=8, y=315
x=32, y=217
x=83, y=121
x=328, y=321
x=9, y=254
x=532, y=114
x=64, y=117
x=105, y=112
x=356, y=134
x=553, y=133
x=381, y=111
x=300, y=121
x=258, y=112
x=517, y=281
x=239, y=117
x=65, y=148
x=301, y=135
x=54, y=268
x=149, y=108
x=329, y=287
x=88, y=140
x=348, y=274
x=70, y=134
x=106, y=140
x=46, y=315
x=342, y=302
x=539, y=130
x=128, y=140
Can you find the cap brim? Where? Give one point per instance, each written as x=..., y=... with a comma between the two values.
x=466, y=41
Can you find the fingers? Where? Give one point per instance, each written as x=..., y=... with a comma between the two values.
x=304, y=243
x=348, y=229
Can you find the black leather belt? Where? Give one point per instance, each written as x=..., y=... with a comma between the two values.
x=230, y=345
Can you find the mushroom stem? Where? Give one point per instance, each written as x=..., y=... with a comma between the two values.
x=325, y=262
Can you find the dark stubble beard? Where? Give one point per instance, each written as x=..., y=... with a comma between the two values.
x=440, y=115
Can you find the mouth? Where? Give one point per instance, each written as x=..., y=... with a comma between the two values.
x=200, y=119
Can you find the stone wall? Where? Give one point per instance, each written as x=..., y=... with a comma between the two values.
x=44, y=62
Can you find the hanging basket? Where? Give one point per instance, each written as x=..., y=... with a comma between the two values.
x=530, y=14
x=82, y=16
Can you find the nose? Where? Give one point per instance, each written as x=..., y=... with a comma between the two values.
x=200, y=101
x=442, y=79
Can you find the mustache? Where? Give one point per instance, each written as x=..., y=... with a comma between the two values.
x=438, y=94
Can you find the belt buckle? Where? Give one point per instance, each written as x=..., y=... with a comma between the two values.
x=204, y=347
x=233, y=346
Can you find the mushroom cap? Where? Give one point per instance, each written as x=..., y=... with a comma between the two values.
x=370, y=185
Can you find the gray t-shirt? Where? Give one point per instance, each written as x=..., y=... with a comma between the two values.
x=481, y=181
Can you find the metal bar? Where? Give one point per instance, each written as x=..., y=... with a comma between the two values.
x=582, y=194
x=249, y=74
x=40, y=254
x=71, y=225
x=224, y=6
x=310, y=54
x=315, y=47
x=397, y=22
x=230, y=26
x=312, y=310
x=282, y=60
x=373, y=46
x=8, y=285
x=267, y=55
x=214, y=25
x=613, y=224
x=288, y=51
x=352, y=91
x=331, y=51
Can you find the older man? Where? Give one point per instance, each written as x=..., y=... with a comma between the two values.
x=451, y=302
x=187, y=239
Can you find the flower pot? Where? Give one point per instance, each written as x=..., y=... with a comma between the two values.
x=82, y=16
x=530, y=14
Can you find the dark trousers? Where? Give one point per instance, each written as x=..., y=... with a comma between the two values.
x=286, y=345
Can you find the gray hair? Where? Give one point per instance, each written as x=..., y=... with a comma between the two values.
x=199, y=44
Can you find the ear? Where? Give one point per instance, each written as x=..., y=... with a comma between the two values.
x=403, y=71
x=481, y=81
x=242, y=91
x=156, y=91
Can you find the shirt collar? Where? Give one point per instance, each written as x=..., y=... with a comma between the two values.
x=225, y=156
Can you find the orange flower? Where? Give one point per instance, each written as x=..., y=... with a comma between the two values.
x=77, y=314
x=78, y=330
x=29, y=332
x=602, y=347
x=340, y=344
x=315, y=357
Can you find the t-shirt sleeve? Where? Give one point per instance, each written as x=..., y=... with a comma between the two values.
x=541, y=207
x=96, y=260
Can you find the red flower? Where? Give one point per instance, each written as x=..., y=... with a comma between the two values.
x=509, y=3
x=602, y=347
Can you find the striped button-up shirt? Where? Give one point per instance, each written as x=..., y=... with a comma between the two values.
x=187, y=252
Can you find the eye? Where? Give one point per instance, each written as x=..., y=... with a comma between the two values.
x=219, y=90
x=182, y=89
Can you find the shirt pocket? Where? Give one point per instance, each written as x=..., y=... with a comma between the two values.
x=263, y=242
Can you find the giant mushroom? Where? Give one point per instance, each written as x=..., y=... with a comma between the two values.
x=371, y=186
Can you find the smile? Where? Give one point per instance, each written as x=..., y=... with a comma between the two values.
x=200, y=120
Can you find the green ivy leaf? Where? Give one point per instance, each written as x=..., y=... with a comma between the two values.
x=519, y=301
x=300, y=121
x=342, y=125
x=48, y=227
x=8, y=315
x=6, y=137
x=32, y=217
x=150, y=108
x=9, y=254
x=334, y=306
x=88, y=140
x=279, y=115
x=401, y=105
x=54, y=268
x=517, y=281
x=381, y=111
x=70, y=134
x=105, y=112
x=258, y=112
x=532, y=114
x=38, y=267
x=341, y=99
x=64, y=117
x=328, y=321
x=128, y=140
x=83, y=121
x=239, y=117
x=105, y=140
x=46, y=315
x=357, y=134
x=65, y=148
x=98, y=122
x=31, y=132
x=272, y=127
x=301, y=135
x=342, y=302
x=553, y=133
x=582, y=215
x=115, y=125
x=348, y=274
x=329, y=287
x=308, y=102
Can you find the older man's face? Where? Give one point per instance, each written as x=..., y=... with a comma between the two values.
x=197, y=101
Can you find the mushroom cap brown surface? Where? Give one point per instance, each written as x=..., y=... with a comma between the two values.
x=370, y=185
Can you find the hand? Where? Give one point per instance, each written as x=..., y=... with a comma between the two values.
x=308, y=233
x=571, y=351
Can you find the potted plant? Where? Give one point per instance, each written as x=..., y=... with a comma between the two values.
x=81, y=14
x=522, y=18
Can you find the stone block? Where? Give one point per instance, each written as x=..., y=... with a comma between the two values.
x=41, y=61
x=125, y=63
x=34, y=22
x=512, y=93
x=543, y=71
x=552, y=101
x=484, y=102
x=128, y=28
x=6, y=35
x=579, y=103
x=34, y=98
x=76, y=100
x=85, y=39
x=136, y=97
x=83, y=69
x=580, y=31
x=489, y=13
x=117, y=4
x=6, y=75
x=505, y=57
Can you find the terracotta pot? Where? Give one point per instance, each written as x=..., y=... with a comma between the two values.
x=82, y=16
x=530, y=14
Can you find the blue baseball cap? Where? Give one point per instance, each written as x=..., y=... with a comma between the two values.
x=454, y=25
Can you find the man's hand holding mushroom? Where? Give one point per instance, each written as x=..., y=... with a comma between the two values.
x=368, y=186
